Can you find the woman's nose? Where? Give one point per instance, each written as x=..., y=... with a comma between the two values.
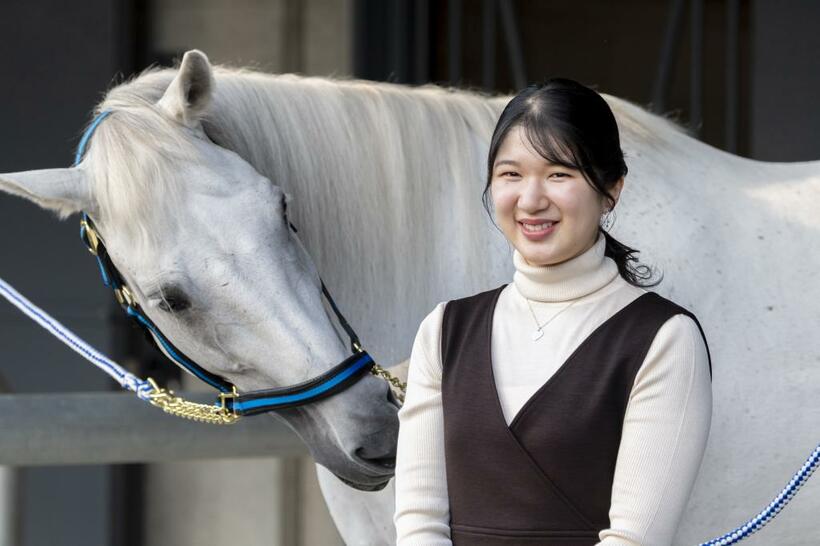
x=533, y=195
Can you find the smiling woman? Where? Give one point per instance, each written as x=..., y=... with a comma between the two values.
x=525, y=187
x=590, y=430
x=558, y=132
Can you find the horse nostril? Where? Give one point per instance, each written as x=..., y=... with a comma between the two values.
x=384, y=462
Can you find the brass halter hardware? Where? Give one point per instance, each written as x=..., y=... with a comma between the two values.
x=395, y=382
x=92, y=238
x=179, y=407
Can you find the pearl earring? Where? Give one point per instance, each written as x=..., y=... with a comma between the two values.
x=608, y=219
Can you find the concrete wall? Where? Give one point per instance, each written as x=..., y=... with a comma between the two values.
x=310, y=37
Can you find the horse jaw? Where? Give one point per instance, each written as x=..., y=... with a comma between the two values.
x=361, y=517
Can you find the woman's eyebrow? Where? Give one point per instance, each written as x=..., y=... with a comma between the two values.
x=507, y=162
x=516, y=164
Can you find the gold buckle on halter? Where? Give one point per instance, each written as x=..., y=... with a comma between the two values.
x=124, y=296
x=223, y=396
x=92, y=239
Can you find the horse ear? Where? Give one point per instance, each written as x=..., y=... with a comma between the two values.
x=190, y=91
x=64, y=191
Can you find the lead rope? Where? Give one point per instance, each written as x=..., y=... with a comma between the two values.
x=126, y=379
x=146, y=390
x=764, y=517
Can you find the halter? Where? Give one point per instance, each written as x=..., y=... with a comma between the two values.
x=233, y=404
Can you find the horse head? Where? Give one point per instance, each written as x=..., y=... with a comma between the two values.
x=203, y=241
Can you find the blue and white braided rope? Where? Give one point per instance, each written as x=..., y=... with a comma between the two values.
x=126, y=379
x=768, y=514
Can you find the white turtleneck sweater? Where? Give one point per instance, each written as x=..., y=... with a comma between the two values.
x=667, y=418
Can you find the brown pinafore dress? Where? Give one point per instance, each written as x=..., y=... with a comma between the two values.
x=546, y=478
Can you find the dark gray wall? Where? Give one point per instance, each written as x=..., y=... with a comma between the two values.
x=785, y=113
x=56, y=59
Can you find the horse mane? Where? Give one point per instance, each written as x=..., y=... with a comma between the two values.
x=134, y=154
x=346, y=151
x=133, y=158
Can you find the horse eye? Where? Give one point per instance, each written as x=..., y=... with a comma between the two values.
x=173, y=301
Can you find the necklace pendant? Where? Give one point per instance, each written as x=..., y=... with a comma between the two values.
x=536, y=335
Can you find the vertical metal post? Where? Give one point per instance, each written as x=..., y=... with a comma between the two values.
x=9, y=501
x=696, y=66
x=512, y=38
x=732, y=87
x=292, y=36
x=422, y=41
x=291, y=491
x=127, y=489
x=488, y=45
x=8, y=506
x=454, y=41
x=399, y=66
x=360, y=39
x=666, y=62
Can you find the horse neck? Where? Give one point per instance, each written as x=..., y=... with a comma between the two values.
x=386, y=184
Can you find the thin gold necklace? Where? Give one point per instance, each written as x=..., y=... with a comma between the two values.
x=538, y=333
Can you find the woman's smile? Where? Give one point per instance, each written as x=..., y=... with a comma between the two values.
x=535, y=230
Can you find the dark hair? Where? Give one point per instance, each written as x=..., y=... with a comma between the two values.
x=569, y=124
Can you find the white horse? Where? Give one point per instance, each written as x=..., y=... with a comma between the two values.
x=187, y=181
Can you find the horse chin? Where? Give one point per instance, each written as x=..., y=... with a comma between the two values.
x=364, y=486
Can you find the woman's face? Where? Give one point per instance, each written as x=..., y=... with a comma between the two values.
x=549, y=213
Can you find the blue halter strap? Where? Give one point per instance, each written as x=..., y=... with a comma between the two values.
x=334, y=380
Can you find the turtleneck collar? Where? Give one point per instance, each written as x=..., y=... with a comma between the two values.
x=568, y=280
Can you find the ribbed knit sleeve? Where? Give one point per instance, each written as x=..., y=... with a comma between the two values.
x=665, y=430
x=422, y=514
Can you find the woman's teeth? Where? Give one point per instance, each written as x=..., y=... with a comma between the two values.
x=537, y=227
